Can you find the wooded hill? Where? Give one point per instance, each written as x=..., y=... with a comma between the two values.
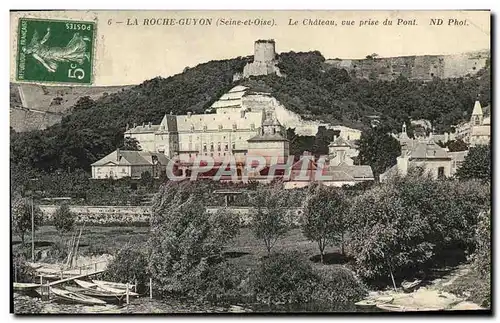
x=311, y=88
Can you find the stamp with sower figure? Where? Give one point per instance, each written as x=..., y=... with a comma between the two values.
x=55, y=51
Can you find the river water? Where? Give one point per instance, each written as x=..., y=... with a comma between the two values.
x=24, y=304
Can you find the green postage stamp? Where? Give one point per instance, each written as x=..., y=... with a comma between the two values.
x=55, y=51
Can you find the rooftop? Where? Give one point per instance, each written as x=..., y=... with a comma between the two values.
x=131, y=157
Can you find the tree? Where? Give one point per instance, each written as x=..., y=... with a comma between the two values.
x=482, y=256
x=64, y=220
x=386, y=237
x=21, y=216
x=130, y=143
x=477, y=164
x=378, y=149
x=457, y=145
x=186, y=241
x=324, y=220
x=269, y=214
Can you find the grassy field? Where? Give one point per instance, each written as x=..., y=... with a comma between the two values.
x=244, y=250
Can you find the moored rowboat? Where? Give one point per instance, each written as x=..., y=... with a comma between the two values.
x=372, y=302
x=106, y=296
x=114, y=287
x=112, y=284
x=73, y=297
x=25, y=286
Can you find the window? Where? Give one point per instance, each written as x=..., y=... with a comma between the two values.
x=204, y=127
x=211, y=146
x=234, y=126
x=226, y=148
x=220, y=127
x=218, y=147
x=204, y=147
x=234, y=146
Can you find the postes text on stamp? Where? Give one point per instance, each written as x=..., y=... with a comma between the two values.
x=55, y=51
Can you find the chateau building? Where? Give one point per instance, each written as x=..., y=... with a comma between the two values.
x=232, y=131
x=127, y=163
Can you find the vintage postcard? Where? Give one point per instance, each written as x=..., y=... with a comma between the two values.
x=167, y=162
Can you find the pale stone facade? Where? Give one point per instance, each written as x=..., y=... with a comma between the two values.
x=478, y=130
x=125, y=163
x=264, y=60
x=424, y=153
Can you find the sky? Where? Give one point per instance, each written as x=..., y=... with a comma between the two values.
x=129, y=54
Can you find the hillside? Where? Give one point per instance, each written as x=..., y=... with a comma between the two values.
x=424, y=67
x=95, y=127
x=36, y=107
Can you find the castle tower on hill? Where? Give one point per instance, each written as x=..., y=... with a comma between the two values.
x=264, y=51
x=264, y=60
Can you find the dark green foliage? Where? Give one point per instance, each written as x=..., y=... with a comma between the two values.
x=477, y=164
x=378, y=149
x=130, y=264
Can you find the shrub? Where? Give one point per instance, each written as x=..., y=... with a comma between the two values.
x=23, y=272
x=338, y=285
x=284, y=278
x=225, y=282
x=129, y=265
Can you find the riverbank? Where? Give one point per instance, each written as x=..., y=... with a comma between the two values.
x=436, y=293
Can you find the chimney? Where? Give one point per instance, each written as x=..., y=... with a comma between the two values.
x=135, y=124
x=117, y=154
x=149, y=124
x=143, y=124
x=189, y=113
x=171, y=112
